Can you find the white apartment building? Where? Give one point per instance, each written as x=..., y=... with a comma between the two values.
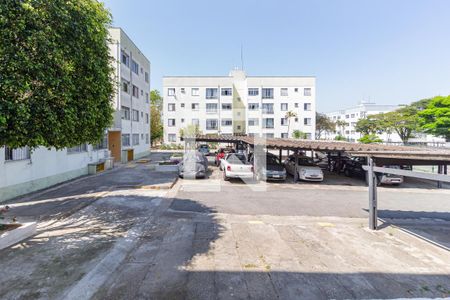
x=363, y=109
x=129, y=138
x=239, y=104
x=23, y=171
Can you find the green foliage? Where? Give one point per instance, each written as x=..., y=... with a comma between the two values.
x=369, y=125
x=323, y=124
x=156, y=125
x=298, y=134
x=435, y=118
x=369, y=139
x=56, y=81
x=340, y=138
x=171, y=147
x=190, y=131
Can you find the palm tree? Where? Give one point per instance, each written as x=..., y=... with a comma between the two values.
x=289, y=115
x=341, y=124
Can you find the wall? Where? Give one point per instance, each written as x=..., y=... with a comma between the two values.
x=45, y=168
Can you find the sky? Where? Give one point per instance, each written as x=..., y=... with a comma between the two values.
x=383, y=51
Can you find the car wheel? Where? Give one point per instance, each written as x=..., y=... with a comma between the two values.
x=225, y=177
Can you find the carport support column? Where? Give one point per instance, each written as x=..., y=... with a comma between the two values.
x=280, y=154
x=296, y=166
x=372, y=196
x=440, y=171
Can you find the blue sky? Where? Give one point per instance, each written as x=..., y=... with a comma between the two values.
x=387, y=51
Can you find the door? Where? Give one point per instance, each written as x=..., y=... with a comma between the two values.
x=114, y=144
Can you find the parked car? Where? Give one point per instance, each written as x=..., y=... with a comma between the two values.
x=354, y=168
x=204, y=148
x=307, y=168
x=220, y=155
x=235, y=165
x=273, y=169
x=193, y=165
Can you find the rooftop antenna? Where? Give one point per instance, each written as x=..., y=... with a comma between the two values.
x=242, y=57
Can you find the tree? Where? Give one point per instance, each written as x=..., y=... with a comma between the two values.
x=369, y=139
x=369, y=125
x=156, y=126
x=190, y=131
x=298, y=134
x=289, y=115
x=323, y=124
x=404, y=121
x=435, y=118
x=340, y=137
x=341, y=124
x=56, y=74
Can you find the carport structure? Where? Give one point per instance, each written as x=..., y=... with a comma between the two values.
x=377, y=154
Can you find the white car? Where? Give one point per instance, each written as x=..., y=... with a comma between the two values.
x=235, y=165
x=307, y=169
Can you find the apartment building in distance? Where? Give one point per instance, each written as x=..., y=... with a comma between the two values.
x=239, y=104
x=353, y=114
x=23, y=171
x=129, y=138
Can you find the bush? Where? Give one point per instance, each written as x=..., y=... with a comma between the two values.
x=340, y=138
x=369, y=139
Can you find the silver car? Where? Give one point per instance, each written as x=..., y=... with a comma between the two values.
x=193, y=165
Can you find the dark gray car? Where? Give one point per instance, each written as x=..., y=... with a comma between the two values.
x=193, y=165
x=273, y=169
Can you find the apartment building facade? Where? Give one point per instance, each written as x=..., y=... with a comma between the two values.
x=351, y=115
x=239, y=104
x=23, y=171
x=130, y=135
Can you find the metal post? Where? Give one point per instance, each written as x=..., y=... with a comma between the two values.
x=280, y=155
x=439, y=183
x=329, y=161
x=296, y=166
x=372, y=196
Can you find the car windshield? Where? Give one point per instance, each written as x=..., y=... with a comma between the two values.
x=272, y=160
x=306, y=161
x=236, y=158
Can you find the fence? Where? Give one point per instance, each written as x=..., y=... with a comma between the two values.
x=17, y=153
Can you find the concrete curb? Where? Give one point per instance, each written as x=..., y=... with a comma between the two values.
x=149, y=187
x=14, y=236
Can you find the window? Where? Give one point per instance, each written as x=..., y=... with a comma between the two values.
x=267, y=108
x=253, y=91
x=211, y=108
x=171, y=92
x=352, y=115
x=182, y=120
x=172, y=137
x=171, y=107
x=253, y=106
x=253, y=122
x=296, y=120
x=183, y=90
x=211, y=93
x=125, y=59
x=125, y=86
x=142, y=92
x=296, y=105
x=182, y=105
x=347, y=116
x=267, y=93
x=17, y=153
x=284, y=121
x=196, y=122
x=147, y=78
x=125, y=140
x=267, y=122
x=307, y=121
x=284, y=135
x=135, y=115
x=226, y=92
x=268, y=135
x=147, y=120
x=135, y=91
x=195, y=106
x=147, y=99
x=142, y=70
x=307, y=92
x=135, y=139
x=142, y=114
x=211, y=124
x=307, y=106
x=171, y=122
x=284, y=92
x=284, y=106
x=195, y=92
x=134, y=67
x=296, y=90
x=147, y=138
x=227, y=122
x=226, y=106
x=125, y=111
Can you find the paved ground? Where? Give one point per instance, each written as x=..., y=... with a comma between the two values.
x=291, y=241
